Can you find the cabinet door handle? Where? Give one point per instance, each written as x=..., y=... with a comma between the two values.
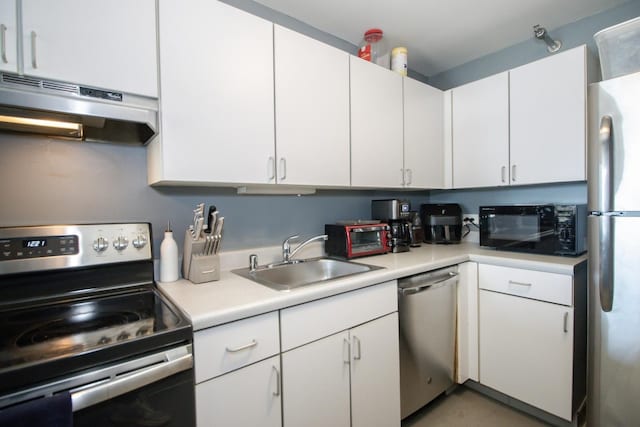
x=34, y=63
x=566, y=322
x=503, y=172
x=409, y=176
x=357, y=354
x=271, y=168
x=253, y=343
x=346, y=357
x=283, y=168
x=513, y=173
x=277, y=392
x=3, y=42
x=402, y=174
x=513, y=282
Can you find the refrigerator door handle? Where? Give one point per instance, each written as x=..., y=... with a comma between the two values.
x=605, y=166
x=605, y=279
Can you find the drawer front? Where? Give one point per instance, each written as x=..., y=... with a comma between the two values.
x=538, y=285
x=234, y=345
x=314, y=320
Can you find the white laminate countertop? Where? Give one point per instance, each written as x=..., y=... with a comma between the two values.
x=233, y=297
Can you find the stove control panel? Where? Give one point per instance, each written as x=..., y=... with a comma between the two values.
x=37, y=248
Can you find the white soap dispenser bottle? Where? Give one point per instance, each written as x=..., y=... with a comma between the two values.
x=168, y=257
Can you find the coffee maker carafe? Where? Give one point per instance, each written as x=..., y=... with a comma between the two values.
x=396, y=213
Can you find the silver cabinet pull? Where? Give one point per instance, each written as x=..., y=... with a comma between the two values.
x=253, y=343
x=513, y=173
x=357, y=354
x=409, y=176
x=3, y=43
x=513, y=282
x=277, y=392
x=34, y=63
x=503, y=172
x=566, y=322
x=402, y=174
x=346, y=357
x=271, y=168
x=283, y=168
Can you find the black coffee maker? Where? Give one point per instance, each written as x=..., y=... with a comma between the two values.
x=396, y=213
x=442, y=222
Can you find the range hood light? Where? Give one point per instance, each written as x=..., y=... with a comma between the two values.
x=39, y=122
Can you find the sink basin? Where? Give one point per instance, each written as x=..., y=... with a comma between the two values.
x=285, y=277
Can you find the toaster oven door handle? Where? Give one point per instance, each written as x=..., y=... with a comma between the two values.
x=101, y=391
x=364, y=230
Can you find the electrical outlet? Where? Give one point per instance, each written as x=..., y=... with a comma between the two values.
x=473, y=236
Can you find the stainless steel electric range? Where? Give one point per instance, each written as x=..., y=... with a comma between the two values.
x=80, y=315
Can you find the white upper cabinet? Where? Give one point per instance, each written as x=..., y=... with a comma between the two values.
x=376, y=126
x=312, y=111
x=548, y=119
x=8, y=36
x=107, y=44
x=481, y=132
x=424, y=158
x=217, y=102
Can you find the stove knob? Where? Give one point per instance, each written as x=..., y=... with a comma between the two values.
x=120, y=243
x=139, y=241
x=100, y=244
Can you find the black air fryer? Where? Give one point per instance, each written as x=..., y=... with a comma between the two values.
x=442, y=222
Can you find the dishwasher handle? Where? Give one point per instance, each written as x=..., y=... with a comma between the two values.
x=440, y=281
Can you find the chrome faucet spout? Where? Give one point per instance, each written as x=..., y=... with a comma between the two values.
x=288, y=254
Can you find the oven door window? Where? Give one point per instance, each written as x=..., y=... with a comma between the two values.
x=365, y=241
x=169, y=402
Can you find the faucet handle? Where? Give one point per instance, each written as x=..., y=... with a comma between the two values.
x=289, y=239
x=253, y=262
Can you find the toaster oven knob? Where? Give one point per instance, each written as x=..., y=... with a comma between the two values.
x=120, y=243
x=139, y=241
x=100, y=244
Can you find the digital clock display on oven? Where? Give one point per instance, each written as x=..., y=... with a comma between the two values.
x=34, y=243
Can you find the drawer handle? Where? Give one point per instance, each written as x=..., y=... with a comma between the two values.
x=253, y=343
x=566, y=322
x=357, y=354
x=513, y=282
x=277, y=392
x=346, y=350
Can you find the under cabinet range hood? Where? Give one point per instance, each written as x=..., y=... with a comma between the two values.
x=71, y=111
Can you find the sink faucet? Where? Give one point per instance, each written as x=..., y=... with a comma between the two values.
x=288, y=254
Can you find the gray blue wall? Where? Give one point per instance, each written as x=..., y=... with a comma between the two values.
x=46, y=181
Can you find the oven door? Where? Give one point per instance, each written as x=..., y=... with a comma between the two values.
x=525, y=228
x=152, y=390
x=363, y=241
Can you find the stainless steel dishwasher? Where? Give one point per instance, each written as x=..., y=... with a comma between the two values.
x=427, y=311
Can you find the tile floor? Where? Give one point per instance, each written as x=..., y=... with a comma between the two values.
x=467, y=408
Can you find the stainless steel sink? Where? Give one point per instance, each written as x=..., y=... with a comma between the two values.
x=292, y=275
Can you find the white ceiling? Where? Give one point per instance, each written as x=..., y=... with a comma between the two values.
x=440, y=34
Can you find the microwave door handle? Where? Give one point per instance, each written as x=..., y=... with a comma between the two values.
x=605, y=165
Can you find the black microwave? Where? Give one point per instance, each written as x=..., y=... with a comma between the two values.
x=540, y=229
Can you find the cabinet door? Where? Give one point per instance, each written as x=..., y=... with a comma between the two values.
x=216, y=65
x=375, y=373
x=376, y=126
x=315, y=382
x=526, y=349
x=423, y=135
x=8, y=36
x=312, y=111
x=108, y=44
x=481, y=133
x=250, y=396
x=548, y=119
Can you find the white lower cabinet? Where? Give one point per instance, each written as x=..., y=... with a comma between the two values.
x=347, y=379
x=250, y=396
x=531, y=337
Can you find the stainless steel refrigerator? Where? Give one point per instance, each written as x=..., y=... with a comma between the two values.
x=614, y=252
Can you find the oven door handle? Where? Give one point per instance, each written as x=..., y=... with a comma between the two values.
x=101, y=391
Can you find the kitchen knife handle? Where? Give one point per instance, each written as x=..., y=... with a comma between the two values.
x=3, y=37
x=605, y=166
x=34, y=63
